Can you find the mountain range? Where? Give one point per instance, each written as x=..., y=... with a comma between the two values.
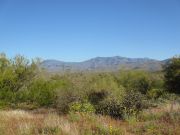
x=104, y=64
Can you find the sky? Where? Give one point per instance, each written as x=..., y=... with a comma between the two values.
x=77, y=30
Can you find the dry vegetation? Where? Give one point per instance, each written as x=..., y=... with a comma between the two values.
x=164, y=120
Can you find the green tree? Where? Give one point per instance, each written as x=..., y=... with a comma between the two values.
x=136, y=80
x=42, y=92
x=24, y=70
x=15, y=75
x=172, y=75
x=4, y=62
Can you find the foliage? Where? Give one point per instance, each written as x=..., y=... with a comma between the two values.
x=119, y=95
x=172, y=75
x=140, y=81
x=20, y=82
x=120, y=104
x=96, y=97
x=65, y=97
x=110, y=107
x=23, y=84
x=83, y=106
x=15, y=75
x=42, y=92
x=133, y=103
x=155, y=93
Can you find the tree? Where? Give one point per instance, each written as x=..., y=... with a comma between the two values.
x=15, y=74
x=172, y=75
x=4, y=62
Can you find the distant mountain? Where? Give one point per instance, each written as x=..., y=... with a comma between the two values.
x=104, y=64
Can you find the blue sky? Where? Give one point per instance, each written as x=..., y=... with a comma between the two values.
x=76, y=30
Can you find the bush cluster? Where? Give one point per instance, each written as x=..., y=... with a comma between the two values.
x=24, y=83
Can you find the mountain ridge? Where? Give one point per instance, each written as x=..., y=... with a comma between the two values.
x=104, y=64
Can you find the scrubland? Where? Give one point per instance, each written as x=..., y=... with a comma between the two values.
x=127, y=102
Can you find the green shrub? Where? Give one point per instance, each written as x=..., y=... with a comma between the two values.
x=133, y=102
x=3, y=105
x=155, y=93
x=84, y=107
x=7, y=96
x=108, y=102
x=15, y=75
x=139, y=81
x=65, y=97
x=172, y=75
x=97, y=96
x=42, y=92
x=110, y=107
x=126, y=105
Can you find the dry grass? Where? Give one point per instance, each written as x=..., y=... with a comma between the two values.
x=162, y=121
x=19, y=122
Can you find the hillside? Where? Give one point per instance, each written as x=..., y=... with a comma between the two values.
x=104, y=64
